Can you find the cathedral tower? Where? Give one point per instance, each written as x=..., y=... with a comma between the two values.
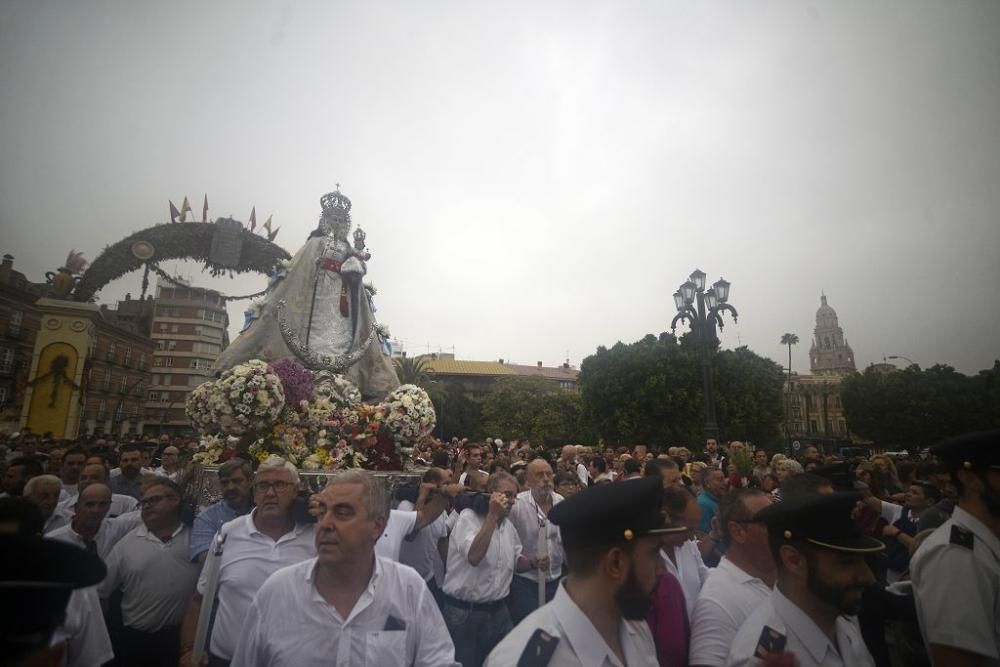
x=829, y=354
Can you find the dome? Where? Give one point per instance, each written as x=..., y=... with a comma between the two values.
x=825, y=311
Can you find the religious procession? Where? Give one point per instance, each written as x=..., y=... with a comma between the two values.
x=314, y=519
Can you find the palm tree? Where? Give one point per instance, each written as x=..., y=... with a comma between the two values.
x=412, y=370
x=789, y=339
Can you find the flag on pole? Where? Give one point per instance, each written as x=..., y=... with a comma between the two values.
x=204, y=209
x=253, y=218
x=267, y=224
x=174, y=213
x=271, y=235
x=185, y=209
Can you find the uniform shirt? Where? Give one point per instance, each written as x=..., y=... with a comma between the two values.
x=108, y=534
x=84, y=631
x=579, y=642
x=727, y=599
x=526, y=515
x=421, y=553
x=120, y=504
x=397, y=527
x=157, y=578
x=956, y=584
x=207, y=524
x=690, y=571
x=803, y=638
x=249, y=557
x=394, y=622
x=490, y=580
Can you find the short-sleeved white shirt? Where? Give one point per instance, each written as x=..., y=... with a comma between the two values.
x=84, y=631
x=421, y=553
x=803, y=638
x=157, y=578
x=957, y=588
x=690, y=571
x=579, y=642
x=108, y=535
x=249, y=557
x=394, y=622
x=490, y=580
x=120, y=504
x=727, y=599
x=526, y=517
x=399, y=524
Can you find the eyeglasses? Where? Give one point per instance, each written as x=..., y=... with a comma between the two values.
x=265, y=486
x=152, y=500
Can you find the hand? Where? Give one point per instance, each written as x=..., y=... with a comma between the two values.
x=890, y=531
x=498, y=505
x=452, y=490
x=314, y=505
x=543, y=564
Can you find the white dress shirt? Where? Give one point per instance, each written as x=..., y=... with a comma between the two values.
x=399, y=524
x=421, y=553
x=84, y=631
x=394, y=622
x=108, y=534
x=59, y=518
x=579, y=642
x=727, y=599
x=249, y=557
x=957, y=587
x=526, y=516
x=690, y=571
x=157, y=578
x=490, y=580
x=120, y=504
x=803, y=638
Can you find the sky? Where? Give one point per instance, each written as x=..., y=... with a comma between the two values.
x=536, y=179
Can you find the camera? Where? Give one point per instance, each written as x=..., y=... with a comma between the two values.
x=478, y=501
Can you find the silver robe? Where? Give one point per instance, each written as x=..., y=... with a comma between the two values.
x=307, y=303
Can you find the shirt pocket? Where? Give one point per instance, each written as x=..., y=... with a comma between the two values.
x=386, y=647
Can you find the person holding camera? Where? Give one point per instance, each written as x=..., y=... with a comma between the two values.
x=483, y=552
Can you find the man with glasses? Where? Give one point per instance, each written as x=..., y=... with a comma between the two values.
x=235, y=480
x=740, y=583
x=256, y=545
x=169, y=463
x=150, y=566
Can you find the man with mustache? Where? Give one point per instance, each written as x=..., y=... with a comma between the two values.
x=530, y=516
x=235, y=480
x=346, y=606
x=820, y=554
x=956, y=571
x=611, y=534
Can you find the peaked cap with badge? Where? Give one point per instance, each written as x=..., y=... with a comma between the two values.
x=821, y=519
x=608, y=514
x=841, y=475
x=971, y=451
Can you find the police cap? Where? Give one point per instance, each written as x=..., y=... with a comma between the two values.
x=971, y=451
x=822, y=519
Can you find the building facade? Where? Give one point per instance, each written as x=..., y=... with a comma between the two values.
x=19, y=324
x=189, y=329
x=479, y=378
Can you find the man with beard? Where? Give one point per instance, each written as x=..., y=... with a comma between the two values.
x=956, y=571
x=69, y=471
x=820, y=553
x=129, y=482
x=97, y=473
x=611, y=534
x=235, y=479
x=530, y=516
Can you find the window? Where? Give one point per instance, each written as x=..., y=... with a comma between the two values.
x=812, y=426
x=134, y=410
x=161, y=345
x=174, y=328
x=142, y=361
x=157, y=361
x=3, y=396
x=124, y=383
x=92, y=348
x=172, y=345
x=153, y=396
x=168, y=361
x=110, y=356
x=164, y=326
x=102, y=408
x=202, y=364
x=106, y=382
x=127, y=356
x=6, y=359
x=14, y=323
x=118, y=411
x=205, y=348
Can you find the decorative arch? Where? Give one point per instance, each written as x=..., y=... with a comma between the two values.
x=225, y=246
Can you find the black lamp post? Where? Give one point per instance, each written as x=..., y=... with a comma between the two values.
x=702, y=310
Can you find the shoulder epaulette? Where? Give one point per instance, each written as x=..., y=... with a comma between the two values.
x=770, y=641
x=963, y=537
x=539, y=650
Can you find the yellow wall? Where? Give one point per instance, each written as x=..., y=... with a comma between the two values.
x=53, y=392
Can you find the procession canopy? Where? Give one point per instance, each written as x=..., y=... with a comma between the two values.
x=318, y=311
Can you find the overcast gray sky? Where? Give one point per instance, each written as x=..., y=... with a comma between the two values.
x=537, y=178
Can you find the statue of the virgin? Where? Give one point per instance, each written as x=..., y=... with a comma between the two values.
x=318, y=310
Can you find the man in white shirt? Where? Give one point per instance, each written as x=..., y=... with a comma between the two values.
x=819, y=552
x=470, y=459
x=483, y=552
x=256, y=546
x=169, y=460
x=422, y=551
x=90, y=528
x=97, y=472
x=611, y=534
x=70, y=469
x=347, y=606
x=681, y=555
x=539, y=540
x=740, y=583
x=152, y=569
x=44, y=491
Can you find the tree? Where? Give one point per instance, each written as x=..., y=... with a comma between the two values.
x=650, y=392
x=536, y=409
x=411, y=370
x=458, y=414
x=789, y=339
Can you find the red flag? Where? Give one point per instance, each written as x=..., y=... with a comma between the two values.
x=174, y=213
x=253, y=219
x=204, y=209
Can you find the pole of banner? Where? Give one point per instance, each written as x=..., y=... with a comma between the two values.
x=208, y=600
x=542, y=552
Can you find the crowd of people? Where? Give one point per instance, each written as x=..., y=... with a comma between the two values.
x=504, y=554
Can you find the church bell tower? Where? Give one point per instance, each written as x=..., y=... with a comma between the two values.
x=829, y=353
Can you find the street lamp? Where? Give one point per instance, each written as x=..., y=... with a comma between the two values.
x=899, y=356
x=702, y=310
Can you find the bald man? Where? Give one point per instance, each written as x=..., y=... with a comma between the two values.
x=98, y=473
x=91, y=529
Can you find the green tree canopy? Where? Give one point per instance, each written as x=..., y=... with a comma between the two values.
x=536, y=409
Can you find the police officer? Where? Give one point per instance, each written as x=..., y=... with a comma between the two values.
x=611, y=535
x=956, y=571
x=820, y=556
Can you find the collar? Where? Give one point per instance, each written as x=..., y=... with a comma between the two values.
x=588, y=646
x=796, y=621
x=736, y=572
x=253, y=530
x=363, y=602
x=143, y=531
x=980, y=529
